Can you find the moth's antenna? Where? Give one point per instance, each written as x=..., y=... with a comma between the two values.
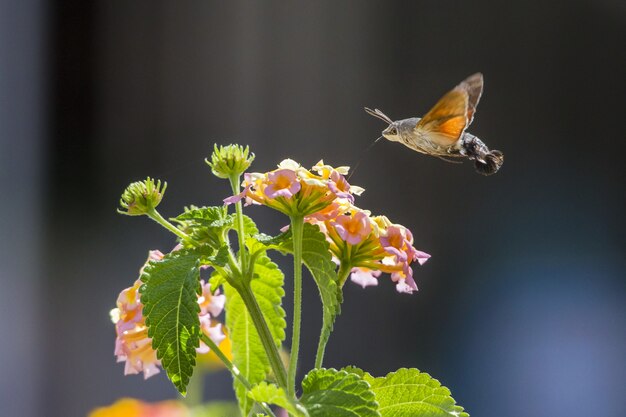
x=371, y=145
x=378, y=114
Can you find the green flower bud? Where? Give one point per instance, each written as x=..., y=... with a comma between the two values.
x=141, y=197
x=231, y=160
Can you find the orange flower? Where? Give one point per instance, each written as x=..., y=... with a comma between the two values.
x=129, y=407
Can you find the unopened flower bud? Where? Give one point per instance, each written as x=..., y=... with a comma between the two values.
x=141, y=197
x=231, y=160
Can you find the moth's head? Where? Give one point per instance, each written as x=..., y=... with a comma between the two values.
x=392, y=132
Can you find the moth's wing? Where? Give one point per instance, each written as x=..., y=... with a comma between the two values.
x=473, y=85
x=447, y=120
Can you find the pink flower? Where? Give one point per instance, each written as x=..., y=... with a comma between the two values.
x=353, y=229
x=370, y=246
x=421, y=257
x=398, y=241
x=282, y=183
x=213, y=330
x=153, y=255
x=364, y=277
x=132, y=344
x=404, y=288
x=339, y=186
x=313, y=192
x=211, y=306
x=210, y=303
x=234, y=198
x=404, y=279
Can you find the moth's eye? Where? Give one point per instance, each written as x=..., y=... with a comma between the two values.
x=393, y=131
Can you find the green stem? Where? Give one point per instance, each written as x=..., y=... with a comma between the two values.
x=156, y=216
x=342, y=275
x=267, y=339
x=297, y=225
x=234, y=184
x=232, y=368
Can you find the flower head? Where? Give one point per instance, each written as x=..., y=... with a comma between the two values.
x=294, y=190
x=132, y=344
x=231, y=160
x=367, y=246
x=141, y=197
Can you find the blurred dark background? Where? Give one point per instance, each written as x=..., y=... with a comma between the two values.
x=521, y=310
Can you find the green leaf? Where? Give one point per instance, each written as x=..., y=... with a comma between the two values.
x=411, y=393
x=271, y=394
x=170, y=304
x=317, y=258
x=249, y=227
x=218, y=258
x=213, y=217
x=332, y=393
x=206, y=225
x=248, y=353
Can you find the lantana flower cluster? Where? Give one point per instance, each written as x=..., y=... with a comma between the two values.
x=368, y=245
x=296, y=191
x=132, y=344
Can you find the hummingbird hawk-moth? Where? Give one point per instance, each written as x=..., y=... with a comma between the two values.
x=441, y=132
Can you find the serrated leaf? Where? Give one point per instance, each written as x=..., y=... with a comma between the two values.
x=218, y=258
x=317, y=258
x=332, y=393
x=411, y=393
x=248, y=353
x=249, y=227
x=170, y=298
x=214, y=217
x=354, y=370
x=206, y=225
x=271, y=394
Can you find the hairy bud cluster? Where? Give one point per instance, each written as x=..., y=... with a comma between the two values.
x=141, y=197
x=231, y=160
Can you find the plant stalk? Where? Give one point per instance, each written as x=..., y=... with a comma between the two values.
x=264, y=333
x=232, y=368
x=297, y=226
x=234, y=184
x=156, y=216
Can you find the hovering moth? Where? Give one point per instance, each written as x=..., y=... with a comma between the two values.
x=441, y=132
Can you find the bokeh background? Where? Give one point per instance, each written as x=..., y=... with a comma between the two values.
x=521, y=310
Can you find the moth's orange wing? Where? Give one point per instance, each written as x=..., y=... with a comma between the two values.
x=447, y=120
x=474, y=87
